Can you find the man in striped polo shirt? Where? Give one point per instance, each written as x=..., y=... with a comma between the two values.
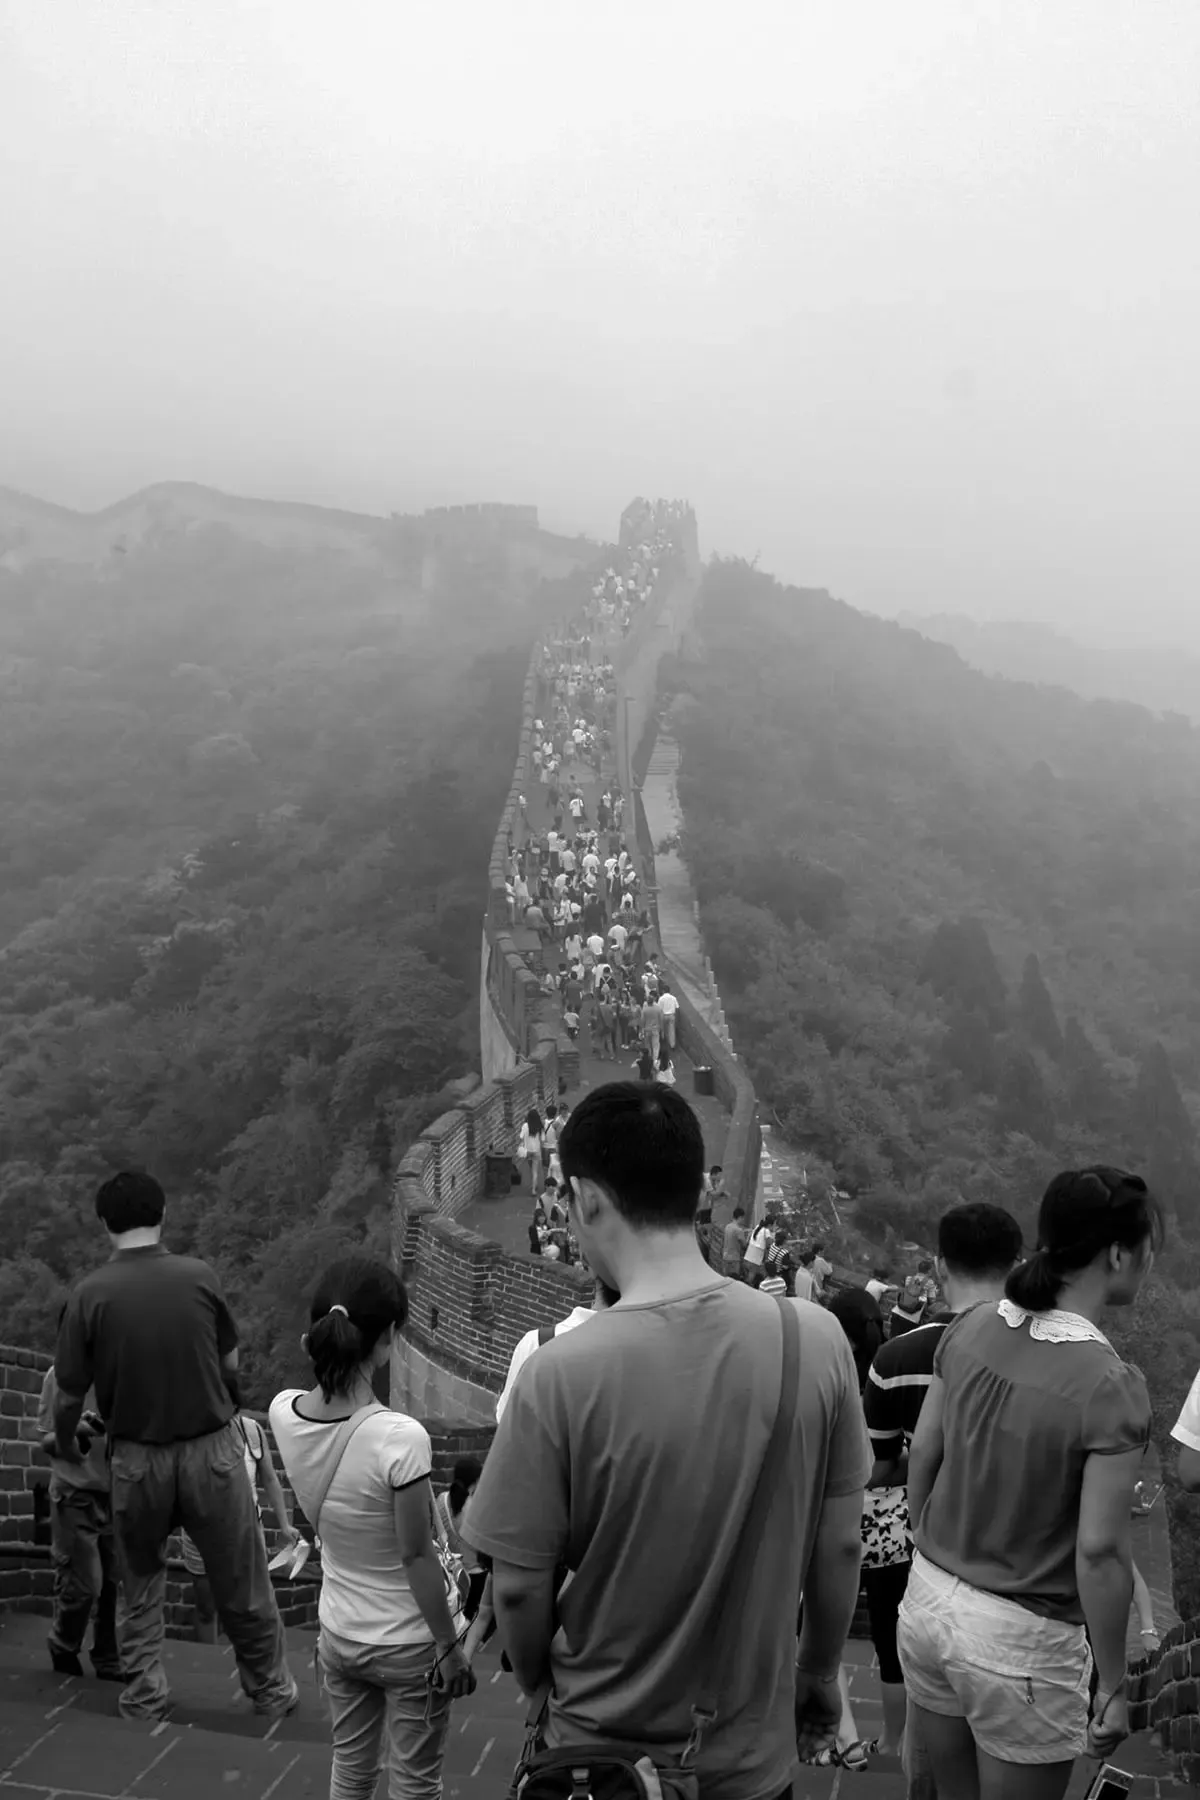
x=977, y=1247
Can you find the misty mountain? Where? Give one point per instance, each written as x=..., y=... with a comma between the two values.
x=1164, y=679
x=248, y=790
x=34, y=531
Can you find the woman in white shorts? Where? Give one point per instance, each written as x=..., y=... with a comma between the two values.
x=1020, y=1484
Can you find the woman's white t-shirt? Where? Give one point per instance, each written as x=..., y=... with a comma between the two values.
x=365, y=1593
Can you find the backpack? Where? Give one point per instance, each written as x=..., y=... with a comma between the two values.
x=545, y=1333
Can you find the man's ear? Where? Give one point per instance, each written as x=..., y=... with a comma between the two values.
x=587, y=1197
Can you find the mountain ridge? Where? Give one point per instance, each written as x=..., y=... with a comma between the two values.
x=1165, y=679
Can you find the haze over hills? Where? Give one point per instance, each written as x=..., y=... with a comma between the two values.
x=1163, y=678
x=34, y=530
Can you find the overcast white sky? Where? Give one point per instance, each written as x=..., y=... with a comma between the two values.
x=905, y=297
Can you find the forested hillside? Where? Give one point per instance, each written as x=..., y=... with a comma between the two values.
x=955, y=921
x=246, y=803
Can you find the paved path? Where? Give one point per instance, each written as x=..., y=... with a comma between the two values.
x=506, y=1219
x=61, y=1738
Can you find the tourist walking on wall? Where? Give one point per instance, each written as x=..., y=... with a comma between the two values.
x=1021, y=1480
x=733, y=1245
x=389, y=1649
x=596, y=1458
x=152, y=1333
x=977, y=1247
x=451, y=1505
x=81, y=1543
x=530, y=1150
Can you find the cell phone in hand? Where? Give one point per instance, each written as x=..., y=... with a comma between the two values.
x=1110, y=1784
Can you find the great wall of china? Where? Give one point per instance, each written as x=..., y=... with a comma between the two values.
x=471, y=1299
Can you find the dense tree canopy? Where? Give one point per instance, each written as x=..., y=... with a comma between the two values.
x=246, y=803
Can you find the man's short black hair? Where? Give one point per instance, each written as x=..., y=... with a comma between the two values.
x=130, y=1201
x=642, y=1143
x=978, y=1240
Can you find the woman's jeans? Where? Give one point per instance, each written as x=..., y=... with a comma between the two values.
x=376, y=1689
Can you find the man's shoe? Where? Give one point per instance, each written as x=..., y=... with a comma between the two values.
x=281, y=1708
x=65, y=1662
x=109, y=1672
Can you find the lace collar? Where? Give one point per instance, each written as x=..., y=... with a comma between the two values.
x=1054, y=1327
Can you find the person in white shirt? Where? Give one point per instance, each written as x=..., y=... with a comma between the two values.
x=389, y=1626
x=756, y=1250
x=822, y=1269
x=878, y=1286
x=1186, y=1432
x=579, y=1315
x=668, y=1006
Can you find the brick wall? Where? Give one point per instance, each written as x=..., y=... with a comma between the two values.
x=26, y=1581
x=1164, y=1696
x=469, y=1300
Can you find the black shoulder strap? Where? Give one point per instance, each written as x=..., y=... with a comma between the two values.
x=724, y=1640
x=545, y=1333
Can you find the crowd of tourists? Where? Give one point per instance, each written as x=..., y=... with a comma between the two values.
x=669, y=1531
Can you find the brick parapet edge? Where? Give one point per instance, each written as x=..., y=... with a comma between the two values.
x=26, y=1573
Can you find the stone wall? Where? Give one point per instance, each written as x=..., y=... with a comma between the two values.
x=26, y=1580
x=470, y=1301
x=469, y=1304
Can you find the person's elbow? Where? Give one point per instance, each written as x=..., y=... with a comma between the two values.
x=839, y=1534
x=1188, y=1469
x=1100, y=1545
x=516, y=1589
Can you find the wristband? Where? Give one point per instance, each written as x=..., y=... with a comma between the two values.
x=814, y=1675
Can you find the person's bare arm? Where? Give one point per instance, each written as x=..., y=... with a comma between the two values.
x=68, y=1410
x=1104, y=1561
x=831, y=1586
x=524, y=1602
x=926, y=1451
x=1188, y=1469
x=272, y=1488
x=414, y=1531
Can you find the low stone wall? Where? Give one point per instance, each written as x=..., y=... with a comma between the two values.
x=26, y=1577
x=469, y=1300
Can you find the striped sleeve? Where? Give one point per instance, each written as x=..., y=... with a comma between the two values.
x=883, y=1404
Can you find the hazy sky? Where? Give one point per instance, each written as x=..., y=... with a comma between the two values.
x=904, y=297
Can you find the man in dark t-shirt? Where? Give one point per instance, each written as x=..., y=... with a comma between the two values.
x=977, y=1247
x=152, y=1334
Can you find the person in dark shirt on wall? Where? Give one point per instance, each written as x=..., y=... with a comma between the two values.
x=977, y=1247
x=151, y=1333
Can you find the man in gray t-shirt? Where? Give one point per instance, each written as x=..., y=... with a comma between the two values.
x=629, y=1452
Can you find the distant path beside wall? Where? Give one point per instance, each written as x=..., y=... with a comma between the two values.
x=678, y=930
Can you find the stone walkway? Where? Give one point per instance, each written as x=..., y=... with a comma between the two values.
x=62, y=1738
x=505, y=1220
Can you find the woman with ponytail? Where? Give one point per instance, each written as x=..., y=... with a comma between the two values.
x=389, y=1647
x=1020, y=1482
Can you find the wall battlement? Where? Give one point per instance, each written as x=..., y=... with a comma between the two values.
x=470, y=1300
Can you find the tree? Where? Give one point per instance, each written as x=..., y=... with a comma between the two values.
x=1091, y=1091
x=1035, y=1010
x=960, y=966
x=1022, y=1103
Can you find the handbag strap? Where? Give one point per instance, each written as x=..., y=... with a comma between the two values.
x=341, y=1442
x=723, y=1640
